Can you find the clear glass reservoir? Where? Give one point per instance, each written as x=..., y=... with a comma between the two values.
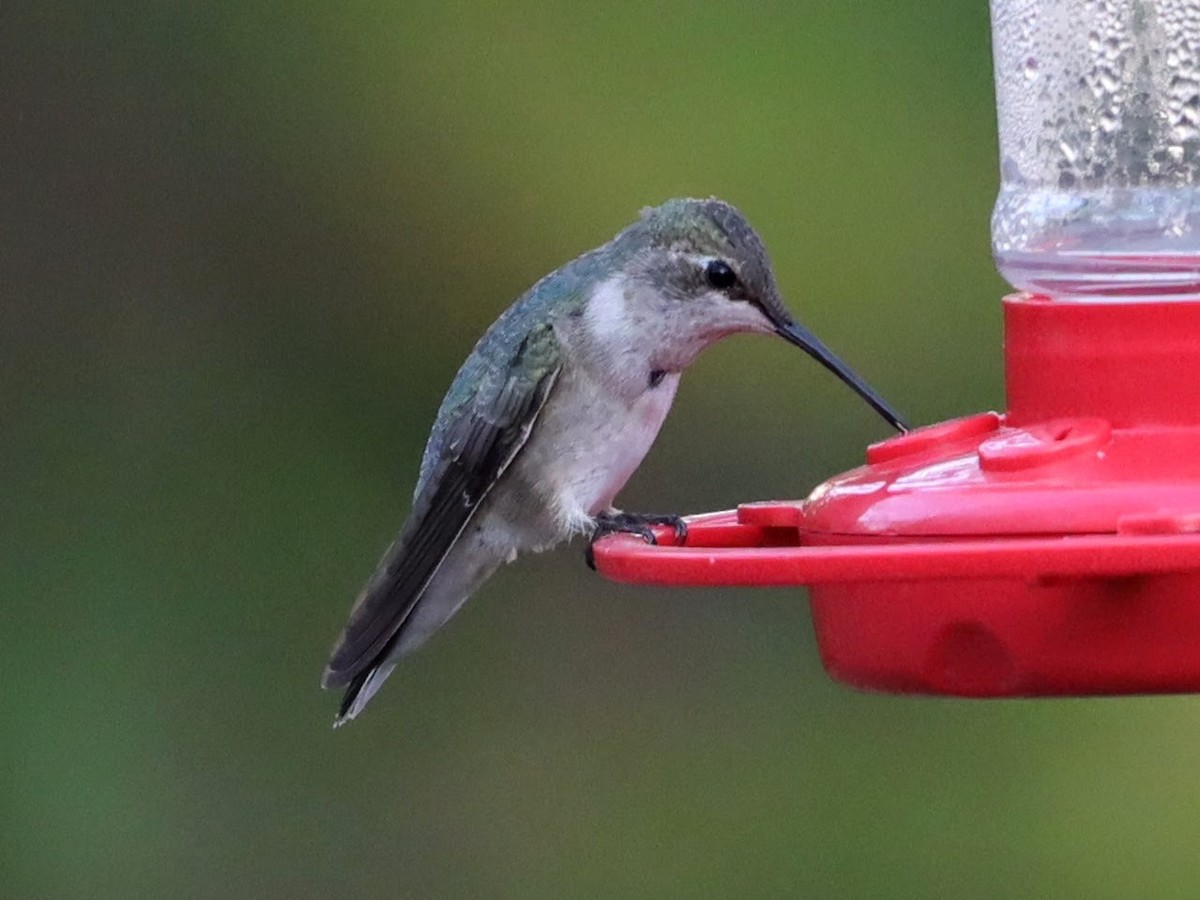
x=1099, y=112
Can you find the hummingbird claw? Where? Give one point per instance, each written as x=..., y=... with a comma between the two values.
x=631, y=523
x=677, y=523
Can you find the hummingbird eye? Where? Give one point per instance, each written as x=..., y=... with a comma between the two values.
x=719, y=275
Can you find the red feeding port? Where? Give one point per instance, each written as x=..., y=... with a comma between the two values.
x=1052, y=550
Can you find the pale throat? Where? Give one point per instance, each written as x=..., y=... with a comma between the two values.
x=629, y=331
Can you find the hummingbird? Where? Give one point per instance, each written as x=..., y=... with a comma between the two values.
x=554, y=410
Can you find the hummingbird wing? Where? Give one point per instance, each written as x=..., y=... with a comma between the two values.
x=485, y=420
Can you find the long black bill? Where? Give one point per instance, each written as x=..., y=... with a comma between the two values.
x=807, y=341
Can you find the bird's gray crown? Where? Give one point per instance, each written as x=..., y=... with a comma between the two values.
x=714, y=228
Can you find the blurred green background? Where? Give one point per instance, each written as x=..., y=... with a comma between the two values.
x=243, y=248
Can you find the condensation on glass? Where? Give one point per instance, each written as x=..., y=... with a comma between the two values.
x=1099, y=110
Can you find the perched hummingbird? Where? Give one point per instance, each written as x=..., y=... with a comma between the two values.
x=554, y=410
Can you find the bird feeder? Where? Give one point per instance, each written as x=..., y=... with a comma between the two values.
x=1053, y=549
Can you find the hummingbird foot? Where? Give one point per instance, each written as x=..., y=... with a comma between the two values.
x=617, y=522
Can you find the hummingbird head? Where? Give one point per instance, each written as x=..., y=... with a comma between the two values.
x=708, y=267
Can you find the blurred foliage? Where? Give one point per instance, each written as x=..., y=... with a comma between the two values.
x=244, y=246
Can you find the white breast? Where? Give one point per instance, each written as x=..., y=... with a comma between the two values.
x=589, y=443
x=621, y=447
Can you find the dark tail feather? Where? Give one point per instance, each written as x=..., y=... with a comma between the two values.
x=353, y=689
x=402, y=620
x=361, y=689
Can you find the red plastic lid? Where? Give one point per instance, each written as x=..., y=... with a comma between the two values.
x=979, y=477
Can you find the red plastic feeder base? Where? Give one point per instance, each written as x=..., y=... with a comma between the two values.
x=1051, y=551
